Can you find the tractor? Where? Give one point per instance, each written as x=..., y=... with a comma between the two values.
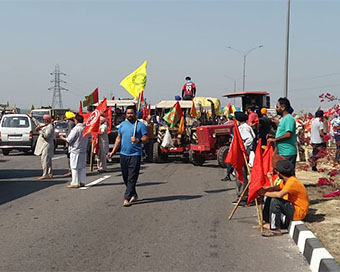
x=180, y=142
x=213, y=140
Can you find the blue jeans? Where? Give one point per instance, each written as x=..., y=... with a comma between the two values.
x=130, y=166
x=292, y=159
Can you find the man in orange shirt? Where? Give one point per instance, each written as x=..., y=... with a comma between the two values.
x=289, y=200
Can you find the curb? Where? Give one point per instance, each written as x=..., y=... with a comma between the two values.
x=319, y=259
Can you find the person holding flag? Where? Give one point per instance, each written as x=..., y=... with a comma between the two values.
x=236, y=159
x=77, y=148
x=131, y=135
x=130, y=140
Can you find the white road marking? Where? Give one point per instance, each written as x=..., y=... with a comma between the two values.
x=94, y=182
x=59, y=157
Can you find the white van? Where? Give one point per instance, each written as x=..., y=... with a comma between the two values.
x=17, y=131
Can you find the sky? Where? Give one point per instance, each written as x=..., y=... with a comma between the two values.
x=98, y=43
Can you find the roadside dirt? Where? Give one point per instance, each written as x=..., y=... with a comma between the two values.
x=323, y=218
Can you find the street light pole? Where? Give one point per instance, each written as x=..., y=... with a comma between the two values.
x=285, y=88
x=244, y=73
x=244, y=54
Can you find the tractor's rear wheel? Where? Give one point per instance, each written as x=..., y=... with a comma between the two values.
x=221, y=155
x=195, y=158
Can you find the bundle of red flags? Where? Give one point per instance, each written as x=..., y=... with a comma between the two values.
x=261, y=167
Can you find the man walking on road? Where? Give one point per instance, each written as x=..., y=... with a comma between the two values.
x=45, y=146
x=77, y=148
x=130, y=152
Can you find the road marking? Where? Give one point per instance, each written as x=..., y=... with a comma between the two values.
x=94, y=182
x=60, y=157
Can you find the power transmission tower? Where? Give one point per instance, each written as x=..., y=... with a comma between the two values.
x=56, y=101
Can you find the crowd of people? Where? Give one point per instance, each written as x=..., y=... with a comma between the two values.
x=286, y=199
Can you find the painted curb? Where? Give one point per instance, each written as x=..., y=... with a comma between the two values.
x=319, y=259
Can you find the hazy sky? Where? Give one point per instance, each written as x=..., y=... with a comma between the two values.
x=97, y=43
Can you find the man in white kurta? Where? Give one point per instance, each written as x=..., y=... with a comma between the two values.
x=77, y=148
x=45, y=146
x=103, y=142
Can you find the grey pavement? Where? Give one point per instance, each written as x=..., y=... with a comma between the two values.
x=180, y=222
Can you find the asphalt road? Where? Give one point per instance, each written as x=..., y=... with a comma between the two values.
x=179, y=224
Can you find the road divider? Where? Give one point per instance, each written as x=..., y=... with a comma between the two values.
x=59, y=157
x=94, y=182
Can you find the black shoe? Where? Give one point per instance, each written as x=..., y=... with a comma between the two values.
x=314, y=169
x=227, y=178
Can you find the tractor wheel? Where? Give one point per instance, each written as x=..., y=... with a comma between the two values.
x=158, y=156
x=221, y=155
x=155, y=152
x=195, y=158
x=5, y=152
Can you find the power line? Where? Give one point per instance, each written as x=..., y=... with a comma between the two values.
x=57, y=100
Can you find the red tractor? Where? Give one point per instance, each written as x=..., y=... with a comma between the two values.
x=213, y=142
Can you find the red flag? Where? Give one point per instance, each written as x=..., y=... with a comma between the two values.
x=257, y=176
x=108, y=115
x=235, y=155
x=149, y=110
x=80, y=108
x=142, y=97
x=267, y=162
x=92, y=122
x=145, y=112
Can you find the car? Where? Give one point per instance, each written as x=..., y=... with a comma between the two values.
x=60, y=129
x=17, y=132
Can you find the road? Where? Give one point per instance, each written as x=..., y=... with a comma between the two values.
x=179, y=224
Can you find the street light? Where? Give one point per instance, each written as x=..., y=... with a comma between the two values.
x=285, y=86
x=244, y=54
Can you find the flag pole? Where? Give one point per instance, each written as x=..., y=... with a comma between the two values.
x=242, y=195
x=138, y=108
x=91, y=155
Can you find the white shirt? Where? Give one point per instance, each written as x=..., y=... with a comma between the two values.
x=77, y=142
x=247, y=135
x=317, y=125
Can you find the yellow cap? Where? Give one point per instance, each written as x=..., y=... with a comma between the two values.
x=69, y=115
x=263, y=111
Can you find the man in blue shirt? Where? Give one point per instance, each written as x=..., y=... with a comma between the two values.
x=285, y=137
x=130, y=152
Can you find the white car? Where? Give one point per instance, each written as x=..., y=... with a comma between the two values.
x=17, y=131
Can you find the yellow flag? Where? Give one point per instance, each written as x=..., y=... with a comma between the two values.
x=135, y=82
x=181, y=126
x=193, y=112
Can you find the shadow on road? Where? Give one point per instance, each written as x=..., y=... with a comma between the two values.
x=167, y=198
x=23, y=173
x=219, y=191
x=11, y=190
